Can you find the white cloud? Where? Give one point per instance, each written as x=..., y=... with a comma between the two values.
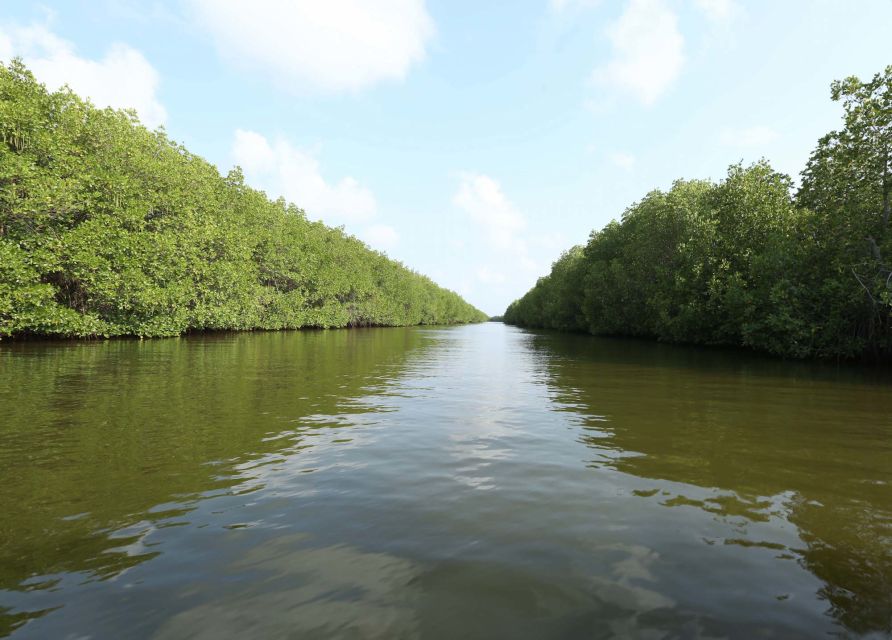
x=561, y=5
x=648, y=51
x=482, y=199
x=281, y=169
x=122, y=79
x=718, y=11
x=623, y=160
x=500, y=256
x=330, y=46
x=757, y=136
x=487, y=275
x=381, y=236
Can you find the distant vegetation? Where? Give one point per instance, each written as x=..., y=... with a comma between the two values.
x=744, y=261
x=107, y=228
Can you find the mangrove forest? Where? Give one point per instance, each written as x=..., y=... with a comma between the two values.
x=108, y=228
x=751, y=260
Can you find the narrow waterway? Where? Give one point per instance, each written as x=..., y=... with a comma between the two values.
x=468, y=482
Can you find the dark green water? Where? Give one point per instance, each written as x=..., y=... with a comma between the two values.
x=468, y=482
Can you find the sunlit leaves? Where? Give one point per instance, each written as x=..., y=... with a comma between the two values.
x=741, y=262
x=107, y=228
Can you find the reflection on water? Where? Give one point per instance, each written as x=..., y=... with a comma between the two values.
x=467, y=482
x=796, y=458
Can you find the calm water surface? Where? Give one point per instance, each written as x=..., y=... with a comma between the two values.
x=468, y=482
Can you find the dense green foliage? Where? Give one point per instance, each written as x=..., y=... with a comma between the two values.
x=107, y=228
x=743, y=261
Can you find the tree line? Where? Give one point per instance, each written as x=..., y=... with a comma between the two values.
x=108, y=228
x=748, y=261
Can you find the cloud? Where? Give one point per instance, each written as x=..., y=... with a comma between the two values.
x=561, y=5
x=757, y=136
x=623, y=160
x=331, y=46
x=501, y=256
x=281, y=169
x=482, y=199
x=487, y=275
x=381, y=236
x=718, y=11
x=122, y=79
x=648, y=51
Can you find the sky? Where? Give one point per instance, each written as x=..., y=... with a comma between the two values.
x=472, y=140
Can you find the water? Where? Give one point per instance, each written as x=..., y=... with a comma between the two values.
x=467, y=482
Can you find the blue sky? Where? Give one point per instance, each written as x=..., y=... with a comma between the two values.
x=472, y=140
